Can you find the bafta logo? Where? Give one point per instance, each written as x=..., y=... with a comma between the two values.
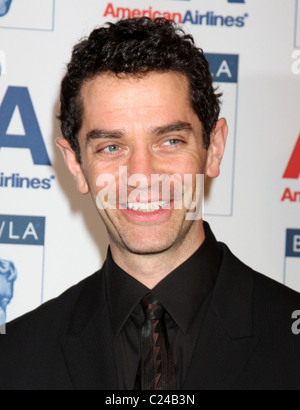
x=8, y=276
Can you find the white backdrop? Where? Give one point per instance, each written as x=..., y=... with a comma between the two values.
x=54, y=236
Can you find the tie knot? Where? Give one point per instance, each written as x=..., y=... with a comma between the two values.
x=152, y=308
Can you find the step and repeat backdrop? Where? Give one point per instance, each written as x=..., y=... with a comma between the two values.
x=50, y=236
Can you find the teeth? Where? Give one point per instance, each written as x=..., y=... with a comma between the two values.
x=147, y=207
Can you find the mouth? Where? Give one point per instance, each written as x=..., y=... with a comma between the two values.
x=147, y=207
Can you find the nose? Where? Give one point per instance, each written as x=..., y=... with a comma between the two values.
x=141, y=165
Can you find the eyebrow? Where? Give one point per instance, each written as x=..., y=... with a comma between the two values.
x=98, y=134
x=178, y=126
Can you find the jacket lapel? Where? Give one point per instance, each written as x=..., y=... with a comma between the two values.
x=225, y=343
x=88, y=346
x=224, y=347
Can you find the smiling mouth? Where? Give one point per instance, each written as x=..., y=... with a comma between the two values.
x=147, y=207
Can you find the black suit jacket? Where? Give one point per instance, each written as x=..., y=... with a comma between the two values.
x=246, y=339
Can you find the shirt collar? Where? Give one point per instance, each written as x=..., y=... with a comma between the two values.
x=124, y=293
x=181, y=293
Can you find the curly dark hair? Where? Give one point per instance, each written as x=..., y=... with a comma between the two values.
x=137, y=47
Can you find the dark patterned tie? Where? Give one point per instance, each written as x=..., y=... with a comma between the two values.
x=156, y=369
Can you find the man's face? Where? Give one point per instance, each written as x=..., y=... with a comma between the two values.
x=145, y=126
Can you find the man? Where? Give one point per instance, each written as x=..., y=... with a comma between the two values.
x=171, y=308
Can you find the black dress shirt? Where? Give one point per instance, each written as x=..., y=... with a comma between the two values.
x=184, y=293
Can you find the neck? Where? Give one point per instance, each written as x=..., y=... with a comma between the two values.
x=151, y=269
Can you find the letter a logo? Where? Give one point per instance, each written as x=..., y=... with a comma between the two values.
x=18, y=97
x=293, y=168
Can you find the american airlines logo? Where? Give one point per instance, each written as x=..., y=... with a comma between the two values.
x=293, y=168
x=199, y=17
x=292, y=172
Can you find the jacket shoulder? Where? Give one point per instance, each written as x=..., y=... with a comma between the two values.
x=31, y=346
x=276, y=326
x=53, y=314
x=265, y=288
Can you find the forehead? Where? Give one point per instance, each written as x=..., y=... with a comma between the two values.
x=130, y=97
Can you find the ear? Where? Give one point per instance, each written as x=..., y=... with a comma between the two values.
x=216, y=148
x=73, y=165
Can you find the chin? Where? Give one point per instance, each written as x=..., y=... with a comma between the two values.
x=148, y=247
x=149, y=240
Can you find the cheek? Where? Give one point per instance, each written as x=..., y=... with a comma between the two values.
x=188, y=168
x=192, y=164
x=102, y=180
x=106, y=175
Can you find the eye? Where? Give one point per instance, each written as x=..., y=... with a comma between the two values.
x=111, y=149
x=172, y=142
